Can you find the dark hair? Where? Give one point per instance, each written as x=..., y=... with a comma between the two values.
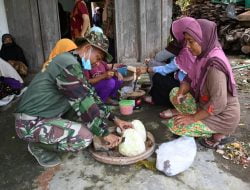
x=7, y=36
x=80, y=42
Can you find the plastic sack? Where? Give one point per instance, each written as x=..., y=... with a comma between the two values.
x=176, y=156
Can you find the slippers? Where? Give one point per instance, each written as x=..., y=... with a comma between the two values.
x=167, y=114
x=148, y=99
x=214, y=144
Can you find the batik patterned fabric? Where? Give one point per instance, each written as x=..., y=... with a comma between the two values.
x=9, y=86
x=188, y=106
x=68, y=135
x=20, y=67
x=197, y=129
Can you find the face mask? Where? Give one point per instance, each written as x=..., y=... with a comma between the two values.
x=86, y=62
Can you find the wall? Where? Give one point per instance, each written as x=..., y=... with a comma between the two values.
x=20, y=17
x=3, y=21
x=49, y=24
x=142, y=28
x=35, y=26
x=127, y=33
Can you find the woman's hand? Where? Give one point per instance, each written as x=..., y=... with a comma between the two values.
x=122, y=124
x=109, y=74
x=112, y=140
x=184, y=120
x=179, y=98
x=141, y=70
x=119, y=76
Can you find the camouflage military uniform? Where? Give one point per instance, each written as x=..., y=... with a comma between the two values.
x=54, y=92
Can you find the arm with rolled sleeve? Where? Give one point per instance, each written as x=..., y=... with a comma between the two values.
x=83, y=99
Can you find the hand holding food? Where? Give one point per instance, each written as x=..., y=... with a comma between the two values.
x=112, y=140
x=109, y=74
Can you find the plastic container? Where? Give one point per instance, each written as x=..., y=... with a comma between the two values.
x=123, y=70
x=126, y=106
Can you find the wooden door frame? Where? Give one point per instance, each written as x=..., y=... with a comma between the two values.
x=35, y=26
x=140, y=51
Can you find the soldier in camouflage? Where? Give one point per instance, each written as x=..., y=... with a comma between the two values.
x=60, y=88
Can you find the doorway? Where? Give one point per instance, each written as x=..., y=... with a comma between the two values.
x=95, y=9
x=104, y=17
x=64, y=9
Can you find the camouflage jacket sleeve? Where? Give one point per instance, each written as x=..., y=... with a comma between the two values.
x=83, y=99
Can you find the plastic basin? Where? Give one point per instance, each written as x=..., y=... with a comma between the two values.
x=126, y=106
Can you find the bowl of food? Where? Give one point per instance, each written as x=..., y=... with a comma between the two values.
x=115, y=157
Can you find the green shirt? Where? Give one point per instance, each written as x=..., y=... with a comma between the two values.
x=59, y=88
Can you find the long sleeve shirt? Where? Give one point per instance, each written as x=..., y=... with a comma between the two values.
x=169, y=68
x=63, y=87
x=224, y=109
x=83, y=98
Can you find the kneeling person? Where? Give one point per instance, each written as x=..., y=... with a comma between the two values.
x=60, y=88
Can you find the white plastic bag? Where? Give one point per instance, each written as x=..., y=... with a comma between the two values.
x=176, y=156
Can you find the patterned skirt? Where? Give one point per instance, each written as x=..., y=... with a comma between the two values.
x=188, y=106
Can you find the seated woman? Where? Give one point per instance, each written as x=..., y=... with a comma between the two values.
x=62, y=46
x=13, y=54
x=105, y=81
x=168, y=76
x=217, y=112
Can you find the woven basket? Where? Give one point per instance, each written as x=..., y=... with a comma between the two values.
x=105, y=157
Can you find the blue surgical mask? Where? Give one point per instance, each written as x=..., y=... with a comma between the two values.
x=86, y=62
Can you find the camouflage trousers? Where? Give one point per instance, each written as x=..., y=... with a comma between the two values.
x=67, y=135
